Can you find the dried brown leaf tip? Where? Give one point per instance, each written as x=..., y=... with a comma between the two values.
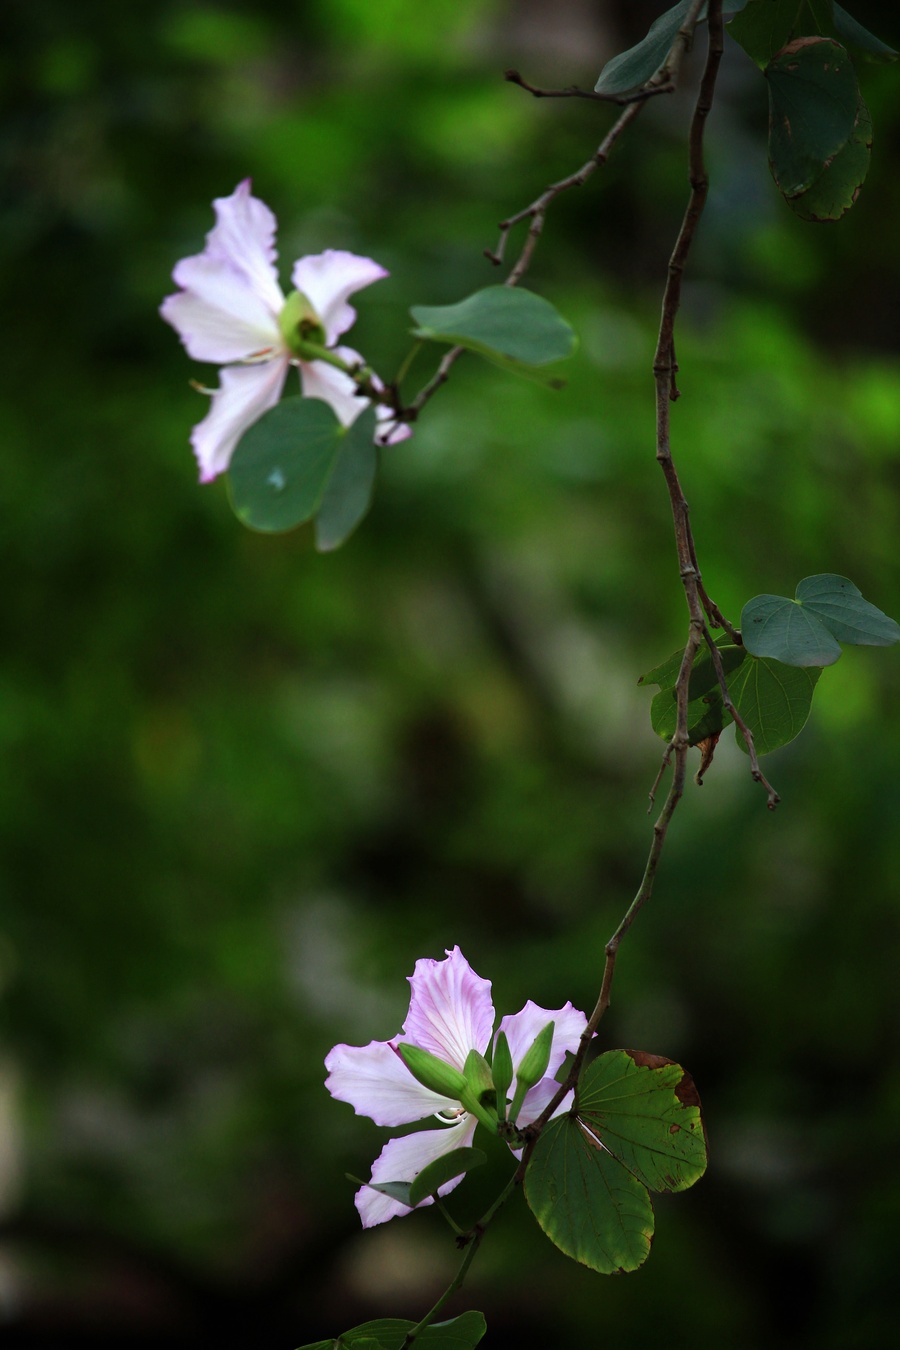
x=707, y=748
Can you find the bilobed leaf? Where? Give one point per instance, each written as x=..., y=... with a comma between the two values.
x=298, y=461
x=813, y=104
x=837, y=187
x=587, y=1203
x=389, y=1333
x=841, y=607
x=444, y=1169
x=348, y=492
x=646, y=1111
x=772, y=625
x=511, y=327
x=860, y=39
x=773, y=699
x=282, y=464
x=806, y=631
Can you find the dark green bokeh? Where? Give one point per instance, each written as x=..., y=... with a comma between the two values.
x=244, y=786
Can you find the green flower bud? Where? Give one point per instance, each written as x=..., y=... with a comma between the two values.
x=478, y=1074
x=533, y=1067
x=433, y=1073
x=536, y=1058
x=502, y=1069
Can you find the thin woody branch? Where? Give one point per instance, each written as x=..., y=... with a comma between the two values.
x=698, y=608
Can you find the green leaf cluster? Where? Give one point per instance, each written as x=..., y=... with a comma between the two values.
x=773, y=699
x=636, y=1127
x=771, y=677
x=299, y=463
x=820, y=131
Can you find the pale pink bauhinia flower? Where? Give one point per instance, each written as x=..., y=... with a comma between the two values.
x=231, y=311
x=450, y=1014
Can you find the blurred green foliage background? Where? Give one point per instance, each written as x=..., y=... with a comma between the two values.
x=243, y=787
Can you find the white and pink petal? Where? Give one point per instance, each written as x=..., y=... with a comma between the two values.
x=450, y=1010
x=523, y=1028
x=244, y=394
x=320, y=380
x=327, y=279
x=376, y=1083
x=217, y=315
x=244, y=238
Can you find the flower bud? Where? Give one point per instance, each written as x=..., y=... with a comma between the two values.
x=502, y=1069
x=479, y=1096
x=432, y=1072
x=533, y=1067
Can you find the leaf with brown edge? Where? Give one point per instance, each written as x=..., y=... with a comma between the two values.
x=645, y=1110
x=813, y=108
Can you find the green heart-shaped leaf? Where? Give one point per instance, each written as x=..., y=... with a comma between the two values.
x=774, y=700
x=773, y=626
x=860, y=39
x=806, y=631
x=630, y=69
x=586, y=1202
x=298, y=461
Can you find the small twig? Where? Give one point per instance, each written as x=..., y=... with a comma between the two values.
x=644, y=892
x=536, y=211
x=572, y=91
x=438, y=378
x=714, y=614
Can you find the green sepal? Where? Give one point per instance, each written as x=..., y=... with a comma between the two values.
x=478, y=1074
x=299, y=322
